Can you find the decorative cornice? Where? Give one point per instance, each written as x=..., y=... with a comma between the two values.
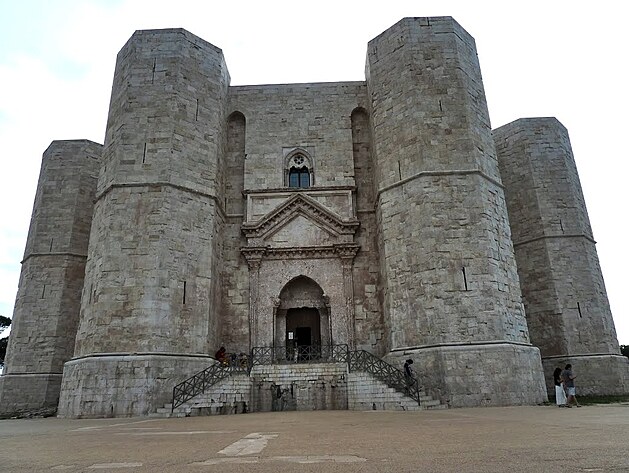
x=304, y=205
x=311, y=189
x=348, y=251
x=254, y=255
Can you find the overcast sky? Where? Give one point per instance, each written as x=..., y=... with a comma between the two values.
x=538, y=58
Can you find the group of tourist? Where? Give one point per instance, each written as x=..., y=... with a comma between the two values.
x=565, y=392
x=231, y=359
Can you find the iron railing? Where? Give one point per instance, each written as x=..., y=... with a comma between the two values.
x=357, y=360
x=200, y=382
x=361, y=360
x=299, y=354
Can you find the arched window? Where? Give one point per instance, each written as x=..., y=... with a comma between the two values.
x=299, y=177
x=298, y=170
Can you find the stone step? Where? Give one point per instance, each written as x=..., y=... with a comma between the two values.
x=234, y=393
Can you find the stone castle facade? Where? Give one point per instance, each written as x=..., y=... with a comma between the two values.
x=383, y=214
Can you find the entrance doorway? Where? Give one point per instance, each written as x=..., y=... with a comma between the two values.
x=302, y=317
x=303, y=327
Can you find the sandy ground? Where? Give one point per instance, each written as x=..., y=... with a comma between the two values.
x=510, y=439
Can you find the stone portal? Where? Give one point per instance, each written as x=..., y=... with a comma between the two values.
x=302, y=315
x=300, y=250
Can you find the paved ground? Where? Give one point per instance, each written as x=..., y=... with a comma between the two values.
x=512, y=439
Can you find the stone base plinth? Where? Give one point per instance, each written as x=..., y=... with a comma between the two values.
x=299, y=387
x=24, y=393
x=484, y=374
x=597, y=375
x=123, y=385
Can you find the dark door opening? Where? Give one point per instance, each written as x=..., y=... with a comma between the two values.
x=303, y=333
x=303, y=336
x=303, y=327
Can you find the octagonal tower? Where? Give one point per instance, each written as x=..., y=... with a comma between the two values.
x=451, y=290
x=149, y=312
x=564, y=293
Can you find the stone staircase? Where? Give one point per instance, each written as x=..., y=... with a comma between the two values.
x=312, y=386
x=229, y=396
x=368, y=393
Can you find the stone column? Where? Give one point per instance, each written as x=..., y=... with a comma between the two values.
x=279, y=324
x=347, y=254
x=254, y=260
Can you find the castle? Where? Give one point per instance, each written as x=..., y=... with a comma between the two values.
x=382, y=214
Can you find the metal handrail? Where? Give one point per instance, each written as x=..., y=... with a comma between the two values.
x=357, y=360
x=199, y=382
x=280, y=354
x=361, y=360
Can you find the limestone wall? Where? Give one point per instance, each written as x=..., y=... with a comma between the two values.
x=49, y=295
x=298, y=388
x=474, y=375
x=596, y=375
x=447, y=262
x=564, y=293
x=369, y=323
x=447, y=259
x=315, y=117
x=123, y=385
x=234, y=332
x=152, y=277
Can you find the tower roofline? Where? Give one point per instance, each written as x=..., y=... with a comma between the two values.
x=194, y=39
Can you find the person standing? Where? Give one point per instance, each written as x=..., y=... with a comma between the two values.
x=408, y=374
x=567, y=376
x=560, y=394
x=221, y=355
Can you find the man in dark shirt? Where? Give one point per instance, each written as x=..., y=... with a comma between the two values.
x=408, y=374
x=567, y=376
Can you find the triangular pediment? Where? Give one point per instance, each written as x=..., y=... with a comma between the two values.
x=298, y=213
x=300, y=231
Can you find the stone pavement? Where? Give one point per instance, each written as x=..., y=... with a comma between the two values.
x=509, y=439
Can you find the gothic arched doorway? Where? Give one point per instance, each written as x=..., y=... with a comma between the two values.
x=302, y=316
